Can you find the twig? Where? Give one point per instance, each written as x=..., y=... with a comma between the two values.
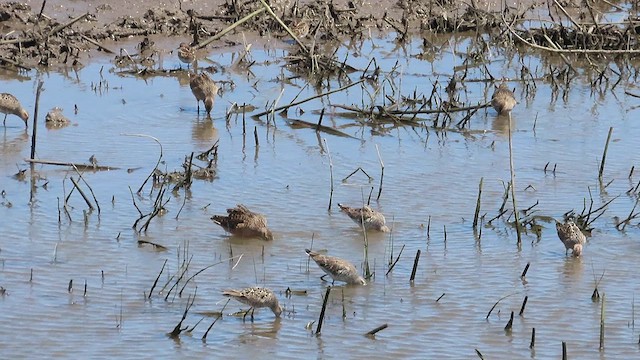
x=159, y=157
x=84, y=196
x=415, y=266
x=324, y=307
x=381, y=172
x=604, y=153
x=477, y=213
x=330, y=172
x=513, y=185
x=379, y=328
x=233, y=26
x=268, y=8
x=157, y=278
x=76, y=165
x=308, y=99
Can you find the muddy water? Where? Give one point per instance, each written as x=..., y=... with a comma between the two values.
x=427, y=174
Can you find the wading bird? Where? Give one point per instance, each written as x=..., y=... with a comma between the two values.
x=373, y=220
x=503, y=100
x=241, y=221
x=204, y=89
x=338, y=269
x=256, y=297
x=9, y=105
x=571, y=236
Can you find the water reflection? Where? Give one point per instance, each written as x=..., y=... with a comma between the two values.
x=203, y=132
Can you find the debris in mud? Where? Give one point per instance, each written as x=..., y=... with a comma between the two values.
x=55, y=119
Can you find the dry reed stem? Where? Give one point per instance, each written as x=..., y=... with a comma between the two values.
x=381, y=172
x=326, y=145
x=604, y=153
x=230, y=28
x=308, y=99
x=602, y=323
x=395, y=262
x=415, y=266
x=324, y=307
x=509, y=325
x=379, y=328
x=524, y=303
x=477, y=212
x=532, y=344
x=513, y=185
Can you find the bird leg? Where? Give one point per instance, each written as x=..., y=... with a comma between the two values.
x=4, y=122
x=247, y=312
x=322, y=277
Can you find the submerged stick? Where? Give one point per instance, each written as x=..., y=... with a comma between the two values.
x=379, y=328
x=76, y=165
x=330, y=172
x=84, y=196
x=381, y=172
x=604, y=154
x=308, y=99
x=602, y=323
x=524, y=303
x=157, y=278
x=513, y=185
x=564, y=350
x=510, y=323
x=395, y=262
x=532, y=344
x=415, y=266
x=35, y=120
x=324, y=307
x=524, y=272
x=477, y=213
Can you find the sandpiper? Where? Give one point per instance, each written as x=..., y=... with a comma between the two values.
x=241, y=221
x=571, y=236
x=503, y=100
x=338, y=269
x=204, y=89
x=373, y=220
x=300, y=28
x=256, y=297
x=186, y=54
x=9, y=104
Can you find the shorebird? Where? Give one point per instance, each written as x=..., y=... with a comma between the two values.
x=186, y=54
x=373, y=220
x=338, y=269
x=204, y=89
x=571, y=236
x=300, y=28
x=256, y=297
x=9, y=105
x=503, y=100
x=241, y=221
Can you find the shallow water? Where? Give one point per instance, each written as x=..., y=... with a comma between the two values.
x=427, y=175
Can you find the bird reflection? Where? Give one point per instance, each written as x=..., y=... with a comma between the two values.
x=203, y=132
x=500, y=124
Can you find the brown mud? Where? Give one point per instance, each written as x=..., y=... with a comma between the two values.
x=36, y=33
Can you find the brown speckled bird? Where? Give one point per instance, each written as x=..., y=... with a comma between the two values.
x=186, y=54
x=571, y=236
x=241, y=221
x=256, y=297
x=373, y=220
x=338, y=269
x=503, y=100
x=9, y=105
x=204, y=89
